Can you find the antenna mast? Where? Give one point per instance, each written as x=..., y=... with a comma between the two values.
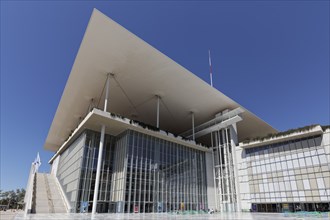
x=210, y=68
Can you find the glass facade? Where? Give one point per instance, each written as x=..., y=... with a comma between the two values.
x=162, y=176
x=88, y=172
x=143, y=173
x=292, y=175
x=139, y=173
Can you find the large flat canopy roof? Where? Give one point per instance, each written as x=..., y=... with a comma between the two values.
x=140, y=73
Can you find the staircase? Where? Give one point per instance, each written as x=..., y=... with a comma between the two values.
x=48, y=198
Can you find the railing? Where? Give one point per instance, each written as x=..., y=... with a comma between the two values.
x=34, y=194
x=64, y=197
x=30, y=189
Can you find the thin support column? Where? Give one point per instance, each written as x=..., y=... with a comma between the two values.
x=222, y=171
x=107, y=93
x=214, y=175
x=234, y=140
x=193, y=124
x=99, y=159
x=98, y=171
x=158, y=100
x=230, y=171
x=226, y=169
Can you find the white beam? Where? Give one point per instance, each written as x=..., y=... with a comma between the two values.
x=218, y=119
x=216, y=127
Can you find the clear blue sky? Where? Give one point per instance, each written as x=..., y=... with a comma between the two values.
x=270, y=56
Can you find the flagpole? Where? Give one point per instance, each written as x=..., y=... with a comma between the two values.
x=210, y=68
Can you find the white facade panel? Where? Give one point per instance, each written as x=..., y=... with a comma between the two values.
x=295, y=172
x=210, y=181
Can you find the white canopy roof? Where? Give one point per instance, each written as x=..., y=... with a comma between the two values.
x=140, y=72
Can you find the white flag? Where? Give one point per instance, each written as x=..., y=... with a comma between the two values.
x=37, y=162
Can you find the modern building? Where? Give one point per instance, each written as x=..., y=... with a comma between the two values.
x=136, y=132
x=288, y=171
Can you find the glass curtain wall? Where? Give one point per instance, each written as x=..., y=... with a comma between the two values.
x=141, y=173
x=88, y=173
x=119, y=174
x=162, y=176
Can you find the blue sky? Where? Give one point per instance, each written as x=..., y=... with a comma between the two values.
x=270, y=56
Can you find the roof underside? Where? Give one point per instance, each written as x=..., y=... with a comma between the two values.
x=140, y=72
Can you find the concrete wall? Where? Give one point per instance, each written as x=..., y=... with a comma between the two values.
x=54, y=166
x=296, y=171
x=243, y=180
x=69, y=167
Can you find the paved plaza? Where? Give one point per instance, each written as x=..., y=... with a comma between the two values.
x=163, y=216
x=9, y=214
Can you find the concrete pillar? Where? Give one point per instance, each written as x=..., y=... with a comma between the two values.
x=98, y=170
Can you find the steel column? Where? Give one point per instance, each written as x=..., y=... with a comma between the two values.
x=106, y=93
x=193, y=124
x=158, y=99
x=98, y=170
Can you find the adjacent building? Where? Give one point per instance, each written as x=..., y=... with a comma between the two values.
x=288, y=171
x=136, y=132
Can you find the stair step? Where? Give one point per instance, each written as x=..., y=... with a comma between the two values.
x=48, y=195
